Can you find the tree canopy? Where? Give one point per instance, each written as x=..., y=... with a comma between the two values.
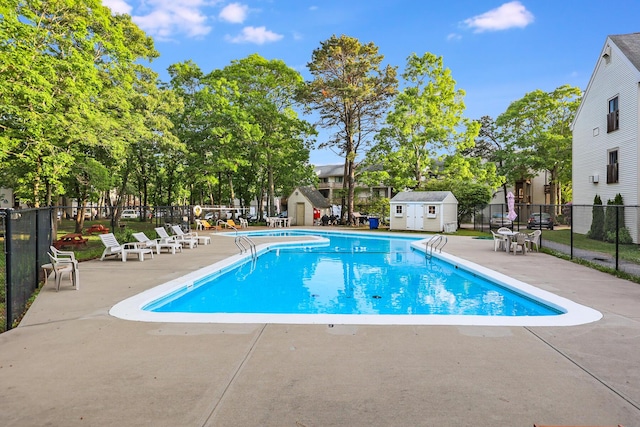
x=350, y=92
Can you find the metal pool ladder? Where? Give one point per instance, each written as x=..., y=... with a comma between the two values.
x=436, y=243
x=241, y=241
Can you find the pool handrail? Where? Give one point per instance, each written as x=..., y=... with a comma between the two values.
x=243, y=249
x=436, y=242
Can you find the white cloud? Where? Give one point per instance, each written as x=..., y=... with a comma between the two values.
x=235, y=13
x=454, y=36
x=257, y=35
x=166, y=18
x=118, y=6
x=509, y=15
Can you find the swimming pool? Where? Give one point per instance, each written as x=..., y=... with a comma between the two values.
x=354, y=278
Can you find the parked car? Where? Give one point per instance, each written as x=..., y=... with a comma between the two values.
x=130, y=214
x=540, y=220
x=500, y=220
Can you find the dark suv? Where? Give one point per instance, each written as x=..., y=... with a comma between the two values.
x=540, y=220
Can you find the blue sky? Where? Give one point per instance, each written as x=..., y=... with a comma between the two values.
x=497, y=50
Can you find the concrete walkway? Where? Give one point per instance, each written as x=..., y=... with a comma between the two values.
x=70, y=363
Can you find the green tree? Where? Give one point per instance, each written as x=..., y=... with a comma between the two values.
x=64, y=68
x=537, y=128
x=471, y=196
x=279, y=154
x=350, y=92
x=489, y=146
x=426, y=123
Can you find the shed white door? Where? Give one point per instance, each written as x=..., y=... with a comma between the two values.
x=415, y=220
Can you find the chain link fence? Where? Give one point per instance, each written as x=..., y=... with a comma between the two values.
x=604, y=235
x=27, y=234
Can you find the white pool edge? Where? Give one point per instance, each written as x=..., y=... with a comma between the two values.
x=573, y=313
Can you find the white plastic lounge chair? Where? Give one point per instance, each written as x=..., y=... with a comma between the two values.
x=60, y=269
x=164, y=236
x=112, y=247
x=190, y=239
x=158, y=244
x=519, y=241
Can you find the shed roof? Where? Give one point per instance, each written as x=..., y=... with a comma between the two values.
x=315, y=197
x=422, y=196
x=629, y=44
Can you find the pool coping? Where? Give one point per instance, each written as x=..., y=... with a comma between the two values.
x=573, y=313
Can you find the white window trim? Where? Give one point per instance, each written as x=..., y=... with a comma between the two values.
x=432, y=215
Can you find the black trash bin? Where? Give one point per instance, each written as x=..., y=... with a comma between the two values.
x=373, y=223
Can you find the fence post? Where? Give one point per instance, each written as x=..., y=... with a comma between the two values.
x=8, y=276
x=571, y=230
x=617, y=235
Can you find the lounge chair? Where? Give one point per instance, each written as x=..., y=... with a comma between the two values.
x=206, y=226
x=158, y=244
x=203, y=240
x=60, y=268
x=112, y=247
x=192, y=243
x=231, y=223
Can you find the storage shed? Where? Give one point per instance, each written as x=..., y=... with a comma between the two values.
x=435, y=211
x=306, y=205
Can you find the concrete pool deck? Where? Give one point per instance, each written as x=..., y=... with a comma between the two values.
x=70, y=363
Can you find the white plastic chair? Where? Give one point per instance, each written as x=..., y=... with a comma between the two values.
x=519, y=241
x=60, y=269
x=534, y=239
x=179, y=238
x=499, y=241
x=157, y=244
x=112, y=247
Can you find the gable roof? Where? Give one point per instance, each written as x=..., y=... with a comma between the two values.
x=422, y=196
x=629, y=44
x=629, y=47
x=315, y=197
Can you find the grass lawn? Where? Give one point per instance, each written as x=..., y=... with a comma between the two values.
x=626, y=252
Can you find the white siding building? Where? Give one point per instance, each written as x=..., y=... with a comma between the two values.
x=606, y=137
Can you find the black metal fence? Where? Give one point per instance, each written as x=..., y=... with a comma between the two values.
x=27, y=234
x=606, y=235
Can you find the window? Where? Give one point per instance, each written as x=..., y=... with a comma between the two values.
x=337, y=179
x=398, y=210
x=613, y=115
x=612, y=167
x=431, y=211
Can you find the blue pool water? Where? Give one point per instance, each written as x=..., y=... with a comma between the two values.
x=352, y=274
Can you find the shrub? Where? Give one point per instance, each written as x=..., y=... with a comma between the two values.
x=624, y=237
x=596, y=232
x=614, y=207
